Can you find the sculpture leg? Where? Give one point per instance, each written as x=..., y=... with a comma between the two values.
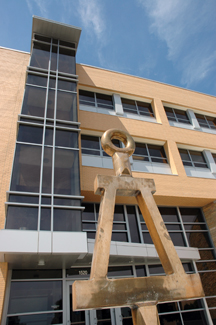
x=145, y=314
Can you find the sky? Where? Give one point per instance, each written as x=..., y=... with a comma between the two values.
x=170, y=41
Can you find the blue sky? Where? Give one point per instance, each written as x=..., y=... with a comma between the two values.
x=171, y=41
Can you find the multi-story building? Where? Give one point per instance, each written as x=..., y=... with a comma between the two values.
x=53, y=113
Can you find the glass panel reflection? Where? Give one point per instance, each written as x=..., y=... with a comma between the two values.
x=23, y=218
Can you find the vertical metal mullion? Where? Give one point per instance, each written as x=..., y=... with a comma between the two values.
x=54, y=135
x=95, y=98
x=190, y=158
x=139, y=224
x=138, y=113
x=127, y=223
x=43, y=140
x=101, y=149
x=176, y=118
x=182, y=225
x=148, y=153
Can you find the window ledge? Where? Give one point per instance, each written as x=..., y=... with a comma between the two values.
x=199, y=172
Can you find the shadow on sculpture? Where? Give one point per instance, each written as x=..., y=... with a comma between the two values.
x=140, y=294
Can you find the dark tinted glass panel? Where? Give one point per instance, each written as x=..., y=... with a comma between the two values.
x=67, y=220
x=211, y=122
x=182, y=116
x=177, y=238
x=119, y=226
x=23, y=218
x=31, y=134
x=184, y=154
x=52, y=83
x=78, y=272
x=198, y=239
x=49, y=136
x=66, y=85
x=71, y=202
x=54, y=58
x=86, y=97
x=88, y=226
x=156, y=269
x=147, y=238
x=45, y=222
x=26, y=168
x=47, y=170
x=140, y=271
x=140, y=152
x=66, y=106
x=196, y=317
x=104, y=101
x=103, y=316
x=129, y=105
x=68, y=44
x=35, y=296
x=119, y=213
x=91, y=235
x=173, y=227
x=214, y=156
x=66, y=139
x=40, y=55
x=190, y=304
x=66, y=179
x=67, y=61
x=191, y=215
x=51, y=103
x=188, y=267
x=45, y=200
x=195, y=227
x=34, y=101
x=36, y=80
x=36, y=274
x=89, y=142
x=197, y=156
x=168, y=307
x=169, y=214
x=156, y=151
x=120, y=271
x=39, y=319
x=169, y=113
x=119, y=236
x=23, y=198
x=145, y=109
x=126, y=316
x=170, y=319
x=133, y=225
x=88, y=213
x=42, y=38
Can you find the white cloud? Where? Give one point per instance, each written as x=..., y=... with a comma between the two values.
x=41, y=4
x=181, y=25
x=90, y=12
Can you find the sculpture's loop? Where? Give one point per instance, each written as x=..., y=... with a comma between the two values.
x=110, y=148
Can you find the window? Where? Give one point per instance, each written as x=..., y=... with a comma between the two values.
x=91, y=145
x=136, y=107
x=150, y=152
x=95, y=99
x=193, y=158
x=206, y=121
x=177, y=115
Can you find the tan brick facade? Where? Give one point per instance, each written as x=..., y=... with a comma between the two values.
x=210, y=215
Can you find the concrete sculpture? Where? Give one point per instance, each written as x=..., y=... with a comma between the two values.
x=140, y=294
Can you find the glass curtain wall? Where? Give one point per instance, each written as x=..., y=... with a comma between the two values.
x=45, y=186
